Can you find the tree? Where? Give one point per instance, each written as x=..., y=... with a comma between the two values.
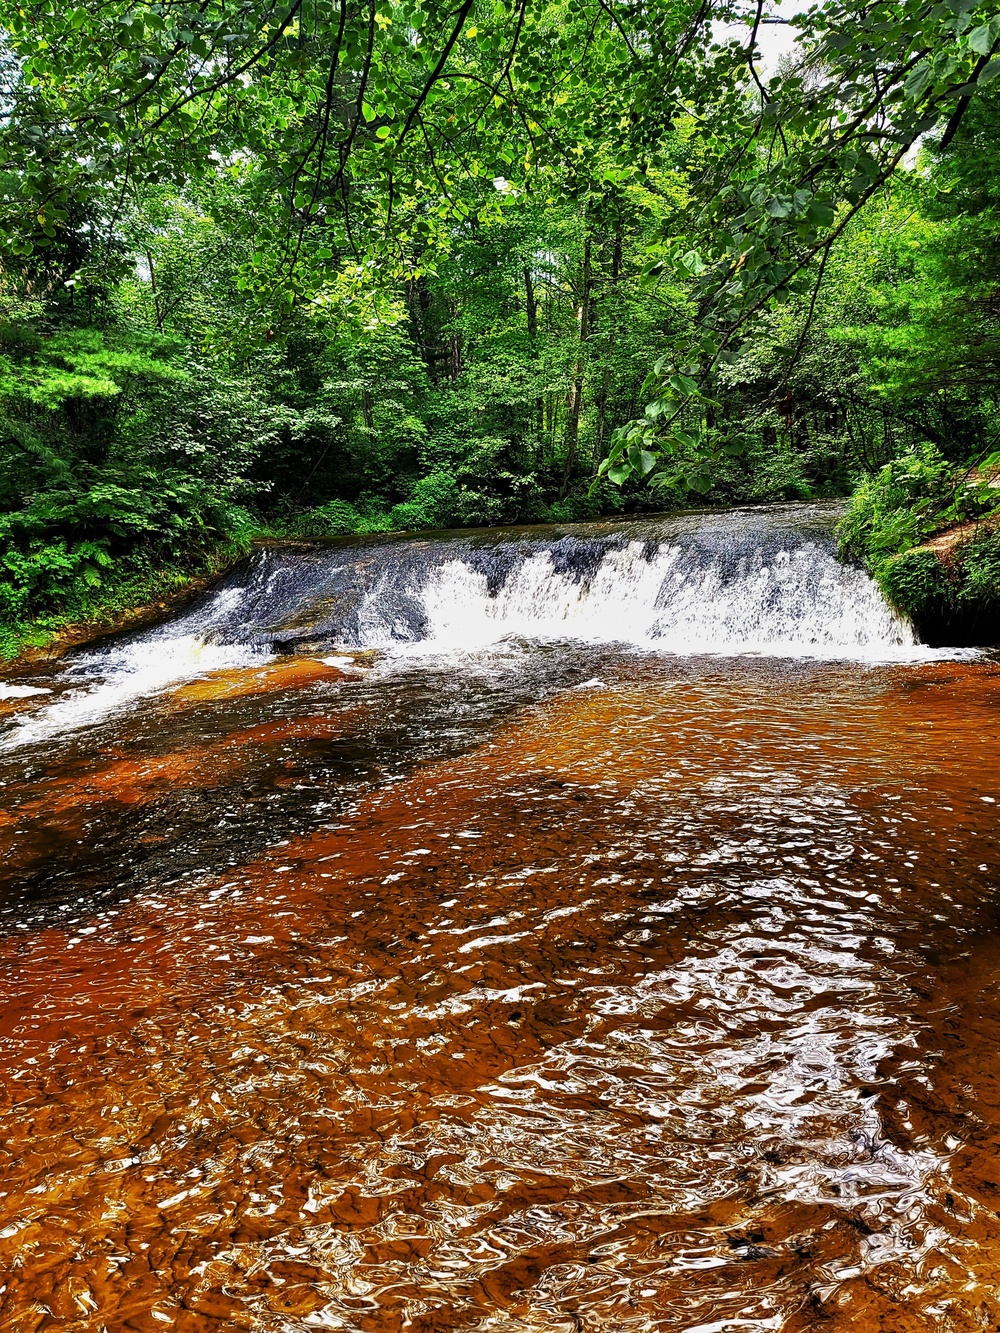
x=780, y=167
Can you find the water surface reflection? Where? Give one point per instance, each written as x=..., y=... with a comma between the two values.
x=599, y=991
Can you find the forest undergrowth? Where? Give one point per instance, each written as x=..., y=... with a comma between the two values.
x=245, y=292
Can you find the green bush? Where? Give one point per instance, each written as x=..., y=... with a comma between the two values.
x=979, y=560
x=914, y=580
x=909, y=500
x=435, y=502
x=336, y=518
x=898, y=507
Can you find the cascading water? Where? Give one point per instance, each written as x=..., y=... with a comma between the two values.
x=791, y=603
x=759, y=581
x=763, y=581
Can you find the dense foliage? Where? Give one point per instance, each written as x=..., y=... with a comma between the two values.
x=314, y=269
x=930, y=533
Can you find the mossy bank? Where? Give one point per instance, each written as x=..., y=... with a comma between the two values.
x=128, y=599
x=930, y=535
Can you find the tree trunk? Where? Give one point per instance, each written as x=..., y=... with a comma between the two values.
x=531, y=307
x=603, y=392
x=531, y=304
x=574, y=397
x=454, y=345
x=155, y=291
x=418, y=301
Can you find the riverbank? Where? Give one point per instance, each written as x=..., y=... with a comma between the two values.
x=929, y=534
x=139, y=599
x=949, y=584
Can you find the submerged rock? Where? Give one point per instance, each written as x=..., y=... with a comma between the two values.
x=244, y=682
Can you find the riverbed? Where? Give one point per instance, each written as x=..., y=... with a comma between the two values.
x=546, y=985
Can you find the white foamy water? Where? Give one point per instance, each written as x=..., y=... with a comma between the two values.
x=796, y=603
x=111, y=682
x=20, y=691
x=765, y=583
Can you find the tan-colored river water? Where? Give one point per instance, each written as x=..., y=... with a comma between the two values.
x=669, y=1001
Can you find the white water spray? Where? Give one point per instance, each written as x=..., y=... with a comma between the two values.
x=111, y=682
x=795, y=603
x=762, y=582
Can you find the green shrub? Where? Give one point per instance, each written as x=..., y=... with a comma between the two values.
x=336, y=518
x=898, y=507
x=979, y=561
x=434, y=503
x=909, y=500
x=914, y=580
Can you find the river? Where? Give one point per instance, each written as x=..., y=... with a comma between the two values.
x=588, y=928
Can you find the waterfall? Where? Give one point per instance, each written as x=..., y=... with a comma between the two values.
x=755, y=581
x=761, y=581
x=793, y=603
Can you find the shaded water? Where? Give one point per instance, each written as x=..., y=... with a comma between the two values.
x=553, y=985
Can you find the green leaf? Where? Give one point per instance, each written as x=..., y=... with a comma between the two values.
x=982, y=39
x=642, y=460
x=917, y=81
x=700, y=482
x=820, y=214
